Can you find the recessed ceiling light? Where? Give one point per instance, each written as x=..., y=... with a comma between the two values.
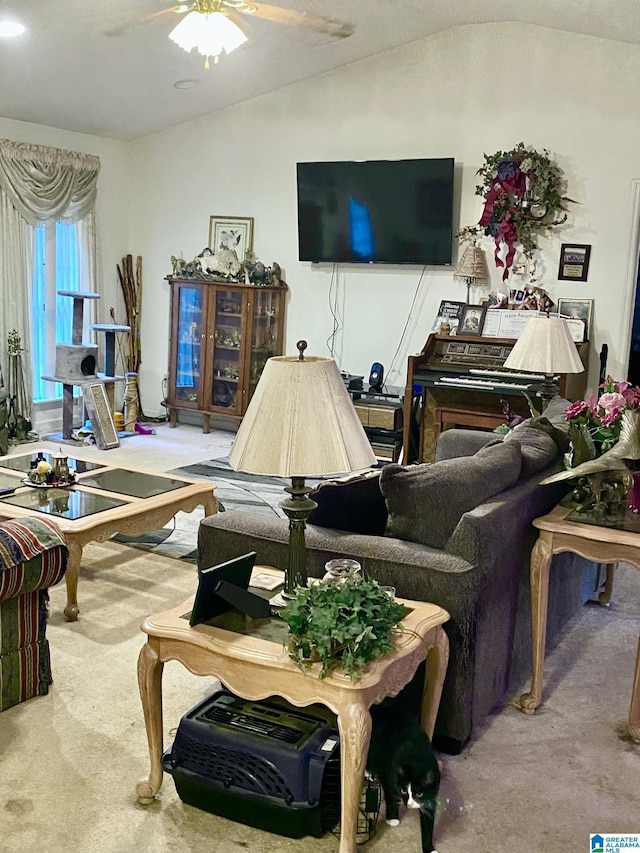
x=9, y=29
x=188, y=83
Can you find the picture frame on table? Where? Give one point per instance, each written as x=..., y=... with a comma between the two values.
x=472, y=320
x=448, y=317
x=578, y=309
x=574, y=261
x=231, y=232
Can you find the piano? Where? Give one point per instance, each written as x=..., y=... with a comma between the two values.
x=462, y=381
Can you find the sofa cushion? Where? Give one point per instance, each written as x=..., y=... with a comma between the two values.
x=425, y=502
x=354, y=504
x=539, y=450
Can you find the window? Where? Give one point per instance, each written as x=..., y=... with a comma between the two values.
x=60, y=263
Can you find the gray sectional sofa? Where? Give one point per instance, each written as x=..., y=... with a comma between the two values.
x=457, y=533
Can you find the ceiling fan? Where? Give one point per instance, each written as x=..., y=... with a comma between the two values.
x=213, y=26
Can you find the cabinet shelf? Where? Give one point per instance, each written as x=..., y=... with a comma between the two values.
x=234, y=310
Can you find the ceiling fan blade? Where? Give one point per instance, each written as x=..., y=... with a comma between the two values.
x=338, y=29
x=155, y=18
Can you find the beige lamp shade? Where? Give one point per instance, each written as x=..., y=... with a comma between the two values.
x=301, y=422
x=473, y=265
x=545, y=346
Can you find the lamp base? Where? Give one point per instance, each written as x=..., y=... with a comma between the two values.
x=297, y=509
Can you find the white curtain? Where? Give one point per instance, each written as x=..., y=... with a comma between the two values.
x=16, y=271
x=38, y=184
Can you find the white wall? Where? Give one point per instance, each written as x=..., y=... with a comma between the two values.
x=461, y=93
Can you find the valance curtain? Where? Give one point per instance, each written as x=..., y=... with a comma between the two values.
x=48, y=184
x=38, y=185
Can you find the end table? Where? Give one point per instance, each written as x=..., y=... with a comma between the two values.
x=610, y=545
x=254, y=668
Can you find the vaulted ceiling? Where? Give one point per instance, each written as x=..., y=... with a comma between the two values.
x=105, y=67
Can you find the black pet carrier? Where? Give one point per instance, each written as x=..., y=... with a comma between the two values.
x=266, y=764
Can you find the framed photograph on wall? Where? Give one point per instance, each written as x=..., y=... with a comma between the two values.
x=578, y=309
x=472, y=320
x=231, y=232
x=574, y=261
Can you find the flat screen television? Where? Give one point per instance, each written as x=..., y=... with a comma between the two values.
x=376, y=211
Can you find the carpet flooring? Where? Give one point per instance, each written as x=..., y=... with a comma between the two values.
x=69, y=761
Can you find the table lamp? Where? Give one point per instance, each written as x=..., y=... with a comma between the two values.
x=472, y=268
x=300, y=423
x=545, y=346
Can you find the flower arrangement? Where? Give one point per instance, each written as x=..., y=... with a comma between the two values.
x=523, y=193
x=595, y=423
x=604, y=424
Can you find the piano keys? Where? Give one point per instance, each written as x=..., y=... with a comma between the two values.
x=462, y=381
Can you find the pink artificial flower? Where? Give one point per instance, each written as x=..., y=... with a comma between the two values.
x=592, y=402
x=631, y=395
x=612, y=402
x=610, y=418
x=622, y=386
x=576, y=409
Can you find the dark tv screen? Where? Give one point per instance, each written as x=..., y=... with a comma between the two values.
x=376, y=211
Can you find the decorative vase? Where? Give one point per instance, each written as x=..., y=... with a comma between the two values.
x=633, y=498
x=342, y=569
x=131, y=402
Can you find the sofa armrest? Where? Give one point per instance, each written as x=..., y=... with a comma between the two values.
x=22, y=543
x=453, y=443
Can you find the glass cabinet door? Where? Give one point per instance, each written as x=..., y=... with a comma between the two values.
x=265, y=334
x=227, y=349
x=190, y=343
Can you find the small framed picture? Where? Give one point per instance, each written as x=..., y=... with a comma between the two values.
x=578, y=309
x=574, y=261
x=231, y=232
x=472, y=320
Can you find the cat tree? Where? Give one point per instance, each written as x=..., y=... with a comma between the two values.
x=76, y=365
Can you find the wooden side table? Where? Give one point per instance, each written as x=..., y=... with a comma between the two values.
x=255, y=668
x=600, y=544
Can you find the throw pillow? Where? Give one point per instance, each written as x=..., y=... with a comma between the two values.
x=354, y=504
x=425, y=502
x=539, y=450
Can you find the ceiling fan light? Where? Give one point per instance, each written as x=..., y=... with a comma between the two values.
x=211, y=34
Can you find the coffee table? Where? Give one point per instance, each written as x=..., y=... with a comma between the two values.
x=254, y=665
x=104, y=500
x=560, y=531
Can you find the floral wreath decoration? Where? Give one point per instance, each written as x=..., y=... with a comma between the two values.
x=523, y=193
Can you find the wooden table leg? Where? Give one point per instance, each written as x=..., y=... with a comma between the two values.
x=354, y=725
x=150, y=669
x=605, y=596
x=435, y=671
x=634, y=711
x=540, y=565
x=71, y=579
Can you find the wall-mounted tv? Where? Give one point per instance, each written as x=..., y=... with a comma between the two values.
x=376, y=211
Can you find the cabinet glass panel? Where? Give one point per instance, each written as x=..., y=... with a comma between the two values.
x=266, y=326
x=227, y=345
x=190, y=342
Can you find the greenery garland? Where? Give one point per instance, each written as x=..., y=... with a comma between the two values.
x=524, y=195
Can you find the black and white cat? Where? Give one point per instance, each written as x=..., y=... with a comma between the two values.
x=400, y=755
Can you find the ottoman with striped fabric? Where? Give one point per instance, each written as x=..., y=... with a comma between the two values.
x=33, y=557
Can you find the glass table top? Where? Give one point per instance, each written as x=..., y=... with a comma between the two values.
x=22, y=463
x=135, y=484
x=8, y=481
x=620, y=521
x=66, y=503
